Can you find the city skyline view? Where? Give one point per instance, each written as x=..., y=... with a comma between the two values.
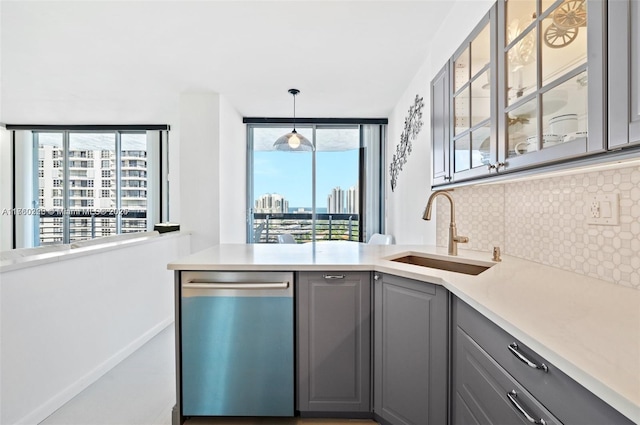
x=276, y=202
x=289, y=174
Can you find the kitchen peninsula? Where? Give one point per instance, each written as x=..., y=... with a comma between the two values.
x=584, y=328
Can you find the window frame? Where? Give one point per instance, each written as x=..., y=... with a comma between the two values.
x=26, y=234
x=365, y=226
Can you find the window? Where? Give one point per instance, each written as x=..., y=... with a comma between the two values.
x=70, y=210
x=341, y=201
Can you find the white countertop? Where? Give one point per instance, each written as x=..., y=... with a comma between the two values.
x=588, y=328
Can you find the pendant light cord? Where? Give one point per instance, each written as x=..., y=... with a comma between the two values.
x=294, y=112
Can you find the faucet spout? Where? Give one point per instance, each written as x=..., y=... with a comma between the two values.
x=454, y=239
x=427, y=210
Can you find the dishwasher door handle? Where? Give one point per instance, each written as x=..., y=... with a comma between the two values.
x=193, y=284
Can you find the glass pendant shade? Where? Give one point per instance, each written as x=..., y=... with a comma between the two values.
x=294, y=141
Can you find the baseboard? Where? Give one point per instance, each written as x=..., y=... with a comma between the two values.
x=54, y=403
x=381, y=420
x=337, y=415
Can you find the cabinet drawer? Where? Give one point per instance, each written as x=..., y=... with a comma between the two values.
x=569, y=401
x=486, y=393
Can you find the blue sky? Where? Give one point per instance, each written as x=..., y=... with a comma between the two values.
x=289, y=174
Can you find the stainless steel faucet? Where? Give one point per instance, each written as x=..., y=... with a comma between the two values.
x=454, y=239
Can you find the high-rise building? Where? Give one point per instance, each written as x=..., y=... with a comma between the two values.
x=271, y=203
x=335, y=201
x=92, y=192
x=352, y=200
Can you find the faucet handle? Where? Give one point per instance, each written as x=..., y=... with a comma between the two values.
x=461, y=239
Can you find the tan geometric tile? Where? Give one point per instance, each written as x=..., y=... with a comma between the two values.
x=543, y=220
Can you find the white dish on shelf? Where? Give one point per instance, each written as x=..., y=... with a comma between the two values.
x=573, y=136
x=563, y=124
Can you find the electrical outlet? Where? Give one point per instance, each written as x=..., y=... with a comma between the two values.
x=595, y=209
x=603, y=209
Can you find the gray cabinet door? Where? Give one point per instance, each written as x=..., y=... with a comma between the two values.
x=557, y=83
x=410, y=351
x=624, y=73
x=484, y=393
x=334, y=341
x=473, y=103
x=440, y=126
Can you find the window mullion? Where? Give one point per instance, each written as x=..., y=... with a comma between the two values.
x=36, y=188
x=313, y=186
x=118, y=215
x=66, y=220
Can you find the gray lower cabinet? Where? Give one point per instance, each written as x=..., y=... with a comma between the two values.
x=410, y=351
x=499, y=380
x=333, y=342
x=624, y=73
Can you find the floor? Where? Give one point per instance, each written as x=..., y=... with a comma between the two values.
x=141, y=391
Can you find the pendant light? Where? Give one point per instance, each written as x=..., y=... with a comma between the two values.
x=293, y=142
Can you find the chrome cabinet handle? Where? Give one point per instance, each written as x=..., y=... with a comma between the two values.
x=333, y=276
x=193, y=284
x=513, y=347
x=512, y=398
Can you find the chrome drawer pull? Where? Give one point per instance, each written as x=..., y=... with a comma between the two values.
x=512, y=398
x=513, y=347
x=193, y=284
x=333, y=276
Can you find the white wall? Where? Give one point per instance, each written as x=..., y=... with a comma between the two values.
x=199, y=168
x=6, y=189
x=233, y=175
x=406, y=204
x=66, y=323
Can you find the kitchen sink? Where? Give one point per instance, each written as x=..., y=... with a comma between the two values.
x=437, y=263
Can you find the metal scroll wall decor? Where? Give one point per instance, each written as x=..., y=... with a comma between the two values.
x=412, y=126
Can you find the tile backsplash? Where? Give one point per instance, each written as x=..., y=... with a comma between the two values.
x=544, y=220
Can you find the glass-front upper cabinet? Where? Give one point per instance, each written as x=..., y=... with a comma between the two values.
x=551, y=71
x=473, y=101
x=624, y=73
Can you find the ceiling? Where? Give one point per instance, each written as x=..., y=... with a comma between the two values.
x=132, y=59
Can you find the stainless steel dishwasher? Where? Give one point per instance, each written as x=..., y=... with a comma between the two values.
x=237, y=344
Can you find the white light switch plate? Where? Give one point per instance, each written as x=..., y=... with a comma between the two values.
x=603, y=209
